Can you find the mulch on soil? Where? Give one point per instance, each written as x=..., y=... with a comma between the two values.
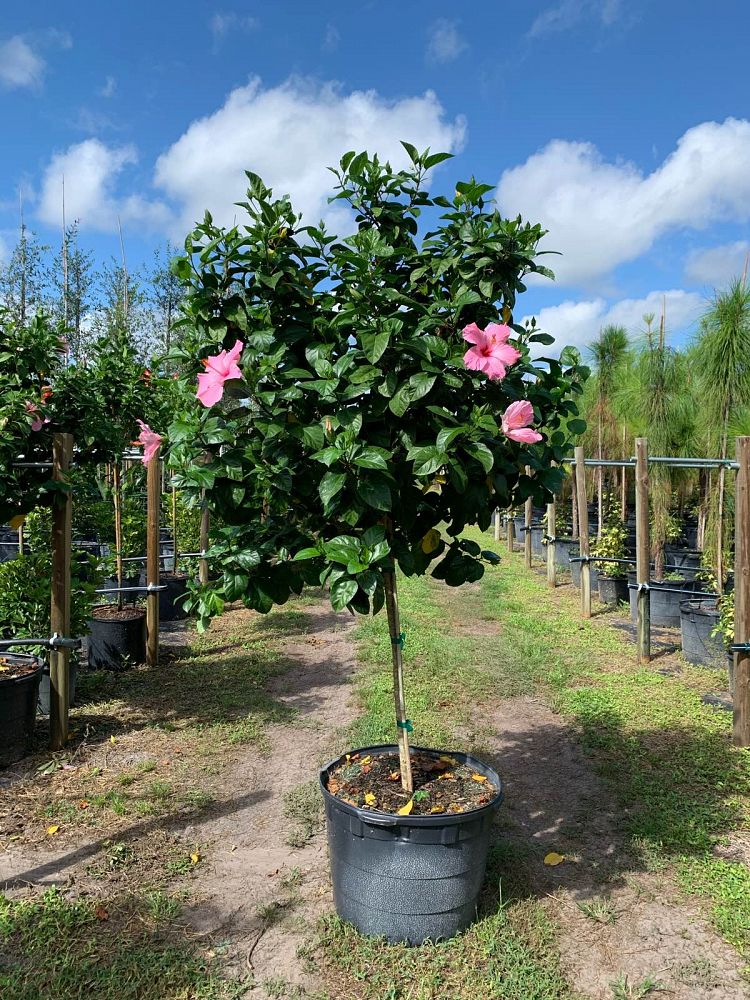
x=441, y=784
x=11, y=668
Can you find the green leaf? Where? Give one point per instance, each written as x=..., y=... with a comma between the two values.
x=375, y=492
x=313, y=436
x=342, y=549
x=309, y=553
x=482, y=454
x=372, y=458
x=331, y=484
x=342, y=592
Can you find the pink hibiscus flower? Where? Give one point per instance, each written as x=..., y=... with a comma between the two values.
x=150, y=441
x=516, y=420
x=491, y=354
x=219, y=368
x=33, y=410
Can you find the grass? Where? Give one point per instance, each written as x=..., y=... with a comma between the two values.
x=303, y=805
x=682, y=788
x=112, y=950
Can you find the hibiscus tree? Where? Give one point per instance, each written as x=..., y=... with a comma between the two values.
x=340, y=428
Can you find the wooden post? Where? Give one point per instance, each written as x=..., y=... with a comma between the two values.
x=741, y=729
x=203, y=564
x=497, y=524
x=583, y=532
x=551, y=531
x=396, y=637
x=153, y=504
x=20, y=539
x=642, y=550
x=574, y=503
x=527, y=526
x=510, y=529
x=62, y=525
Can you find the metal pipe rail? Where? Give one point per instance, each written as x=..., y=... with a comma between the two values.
x=54, y=642
x=675, y=463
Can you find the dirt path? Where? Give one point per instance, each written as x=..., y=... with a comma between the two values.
x=261, y=894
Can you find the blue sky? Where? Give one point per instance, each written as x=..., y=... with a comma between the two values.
x=622, y=127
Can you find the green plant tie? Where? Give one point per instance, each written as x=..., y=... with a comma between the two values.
x=399, y=640
x=406, y=724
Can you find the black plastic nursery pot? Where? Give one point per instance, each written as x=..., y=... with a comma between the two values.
x=665, y=598
x=564, y=548
x=575, y=573
x=18, y=701
x=44, y=687
x=613, y=589
x=129, y=597
x=118, y=638
x=698, y=619
x=537, y=546
x=170, y=600
x=408, y=878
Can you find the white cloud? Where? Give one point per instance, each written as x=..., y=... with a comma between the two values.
x=91, y=171
x=108, y=88
x=578, y=323
x=444, y=41
x=289, y=135
x=331, y=38
x=568, y=13
x=221, y=24
x=716, y=266
x=601, y=214
x=20, y=65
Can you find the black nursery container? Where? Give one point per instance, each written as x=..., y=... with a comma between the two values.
x=408, y=878
x=170, y=600
x=575, y=573
x=665, y=598
x=18, y=701
x=613, y=589
x=117, y=643
x=44, y=688
x=537, y=546
x=564, y=548
x=698, y=619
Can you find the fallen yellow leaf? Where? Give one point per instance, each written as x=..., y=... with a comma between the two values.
x=370, y=799
x=437, y=809
x=445, y=774
x=479, y=777
x=112, y=739
x=52, y=830
x=553, y=858
x=405, y=810
x=450, y=761
x=195, y=858
x=366, y=760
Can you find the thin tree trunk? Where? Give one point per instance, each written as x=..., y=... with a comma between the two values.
x=624, y=482
x=574, y=503
x=117, y=497
x=396, y=637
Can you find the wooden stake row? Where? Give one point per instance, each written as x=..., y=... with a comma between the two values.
x=741, y=719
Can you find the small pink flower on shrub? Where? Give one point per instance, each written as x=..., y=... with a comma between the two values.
x=150, y=441
x=219, y=369
x=491, y=353
x=516, y=420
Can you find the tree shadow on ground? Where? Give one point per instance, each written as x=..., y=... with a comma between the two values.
x=609, y=805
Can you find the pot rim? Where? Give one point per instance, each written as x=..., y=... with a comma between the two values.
x=130, y=618
x=690, y=608
x=376, y=818
x=25, y=678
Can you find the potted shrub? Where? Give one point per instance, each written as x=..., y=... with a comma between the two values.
x=25, y=611
x=387, y=402
x=613, y=580
x=19, y=690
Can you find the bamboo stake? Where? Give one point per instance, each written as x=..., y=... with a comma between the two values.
x=174, y=530
x=551, y=531
x=643, y=549
x=397, y=639
x=153, y=502
x=741, y=726
x=203, y=564
x=117, y=499
x=527, y=525
x=62, y=521
x=583, y=532
x=624, y=484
